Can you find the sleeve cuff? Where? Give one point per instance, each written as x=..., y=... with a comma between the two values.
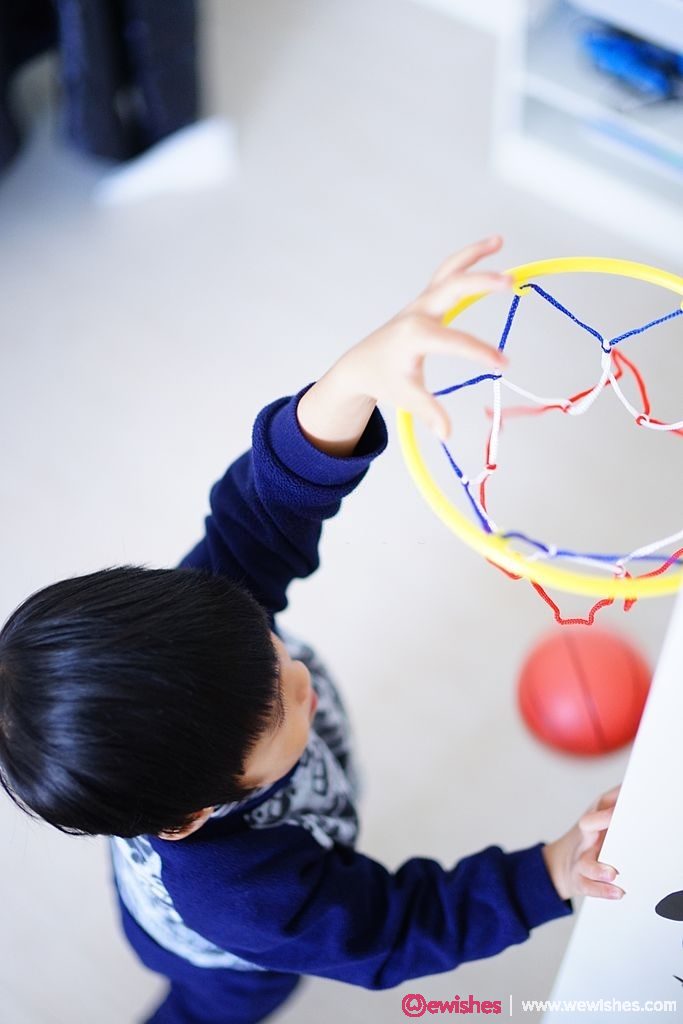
x=297, y=453
x=537, y=897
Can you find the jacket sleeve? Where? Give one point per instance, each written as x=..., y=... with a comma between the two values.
x=286, y=904
x=267, y=511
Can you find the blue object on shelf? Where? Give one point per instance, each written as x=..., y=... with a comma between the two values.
x=651, y=70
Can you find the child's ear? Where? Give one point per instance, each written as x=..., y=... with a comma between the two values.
x=671, y=907
x=197, y=822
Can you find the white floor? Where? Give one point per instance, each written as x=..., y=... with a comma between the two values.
x=137, y=346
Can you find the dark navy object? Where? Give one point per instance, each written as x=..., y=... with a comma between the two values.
x=128, y=69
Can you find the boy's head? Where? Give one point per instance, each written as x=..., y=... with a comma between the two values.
x=135, y=700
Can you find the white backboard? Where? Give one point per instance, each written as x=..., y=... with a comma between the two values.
x=624, y=950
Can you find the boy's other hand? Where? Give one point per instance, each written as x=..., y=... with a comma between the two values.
x=388, y=365
x=572, y=860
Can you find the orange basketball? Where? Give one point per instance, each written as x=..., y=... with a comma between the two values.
x=583, y=690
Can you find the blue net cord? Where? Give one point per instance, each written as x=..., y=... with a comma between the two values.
x=612, y=367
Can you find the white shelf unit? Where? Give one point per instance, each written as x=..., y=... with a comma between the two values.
x=490, y=15
x=568, y=133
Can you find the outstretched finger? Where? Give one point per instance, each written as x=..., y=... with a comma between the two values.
x=601, y=890
x=608, y=799
x=467, y=257
x=440, y=299
x=596, y=821
x=591, y=867
x=420, y=403
x=440, y=340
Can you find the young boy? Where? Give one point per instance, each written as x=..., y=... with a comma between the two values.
x=158, y=705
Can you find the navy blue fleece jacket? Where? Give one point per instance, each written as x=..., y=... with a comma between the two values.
x=279, y=891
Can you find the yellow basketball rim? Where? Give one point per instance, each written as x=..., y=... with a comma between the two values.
x=494, y=547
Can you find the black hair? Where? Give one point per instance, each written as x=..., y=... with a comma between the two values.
x=131, y=697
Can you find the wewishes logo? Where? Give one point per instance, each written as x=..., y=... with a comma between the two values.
x=414, y=1004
